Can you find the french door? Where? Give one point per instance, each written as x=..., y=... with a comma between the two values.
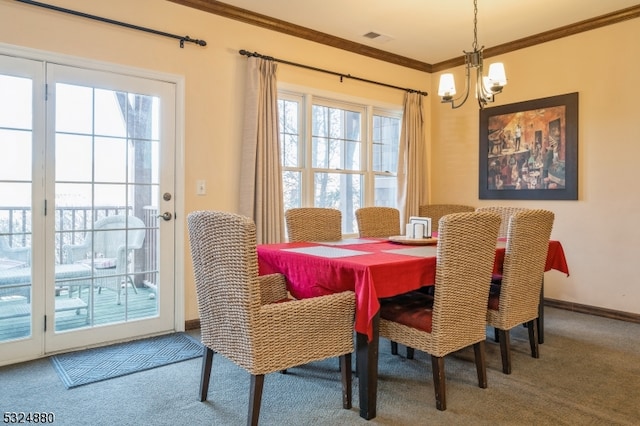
x=87, y=177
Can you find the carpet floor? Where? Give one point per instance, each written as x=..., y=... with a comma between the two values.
x=587, y=374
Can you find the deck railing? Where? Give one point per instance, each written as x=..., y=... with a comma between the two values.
x=71, y=225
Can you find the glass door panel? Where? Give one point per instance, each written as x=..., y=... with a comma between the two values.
x=21, y=109
x=16, y=119
x=106, y=184
x=111, y=134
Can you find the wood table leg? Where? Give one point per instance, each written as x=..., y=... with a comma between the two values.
x=367, y=367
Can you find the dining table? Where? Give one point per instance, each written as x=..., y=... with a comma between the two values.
x=374, y=268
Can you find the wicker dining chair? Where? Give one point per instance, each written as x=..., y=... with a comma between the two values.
x=516, y=300
x=455, y=316
x=313, y=224
x=379, y=222
x=248, y=319
x=436, y=211
x=505, y=213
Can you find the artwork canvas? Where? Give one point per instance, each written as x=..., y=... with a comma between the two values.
x=528, y=150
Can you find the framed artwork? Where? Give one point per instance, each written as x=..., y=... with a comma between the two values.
x=529, y=150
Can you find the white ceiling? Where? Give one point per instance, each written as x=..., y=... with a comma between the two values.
x=432, y=31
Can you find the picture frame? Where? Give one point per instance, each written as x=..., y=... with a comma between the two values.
x=529, y=150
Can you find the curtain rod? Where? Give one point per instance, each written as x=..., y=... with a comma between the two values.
x=111, y=21
x=341, y=75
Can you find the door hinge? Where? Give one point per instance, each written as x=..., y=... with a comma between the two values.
x=45, y=207
x=45, y=323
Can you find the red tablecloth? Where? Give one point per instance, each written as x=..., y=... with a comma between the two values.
x=375, y=269
x=555, y=257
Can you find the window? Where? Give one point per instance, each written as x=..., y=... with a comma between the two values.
x=337, y=154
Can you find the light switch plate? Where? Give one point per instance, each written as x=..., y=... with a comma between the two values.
x=201, y=187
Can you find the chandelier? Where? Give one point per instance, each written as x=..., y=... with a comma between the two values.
x=486, y=86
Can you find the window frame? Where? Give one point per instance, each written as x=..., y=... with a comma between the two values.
x=368, y=108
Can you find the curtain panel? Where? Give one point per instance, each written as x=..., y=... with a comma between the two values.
x=411, y=158
x=260, y=170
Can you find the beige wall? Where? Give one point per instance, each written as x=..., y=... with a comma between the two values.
x=214, y=78
x=599, y=232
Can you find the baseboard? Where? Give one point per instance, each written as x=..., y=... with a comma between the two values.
x=560, y=304
x=592, y=310
x=192, y=324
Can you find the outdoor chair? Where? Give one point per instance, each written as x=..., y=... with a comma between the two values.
x=108, y=247
x=516, y=300
x=455, y=316
x=313, y=224
x=248, y=318
x=14, y=256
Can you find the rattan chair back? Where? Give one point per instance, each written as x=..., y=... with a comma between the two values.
x=528, y=237
x=313, y=224
x=505, y=213
x=378, y=222
x=436, y=211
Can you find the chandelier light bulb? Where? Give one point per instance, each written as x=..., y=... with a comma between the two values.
x=447, y=86
x=497, y=76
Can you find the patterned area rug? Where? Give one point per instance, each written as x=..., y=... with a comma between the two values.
x=93, y=365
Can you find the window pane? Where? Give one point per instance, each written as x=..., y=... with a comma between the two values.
x=288, y=116
x=109, y=118
x=15, y=102
x=342, y=191
x=17, y=165
x=320, y=153
x=74, y=109
x=337, y=138
x=385, y=190
x=386, y=137
x=74, y=159
x=111, y=160
x=292, y=188
x=14, y=194
x=289, y=150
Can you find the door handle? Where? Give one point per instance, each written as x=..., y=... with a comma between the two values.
x=165, y=216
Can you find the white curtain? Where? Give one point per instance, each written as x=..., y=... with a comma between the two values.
x=411, y=161
x=260, y=170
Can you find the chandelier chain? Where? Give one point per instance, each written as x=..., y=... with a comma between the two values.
x=475, y=25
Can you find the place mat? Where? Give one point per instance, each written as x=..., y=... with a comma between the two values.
x=346, y=242
x=324, y=251
x=422, y=251
x=97, y=364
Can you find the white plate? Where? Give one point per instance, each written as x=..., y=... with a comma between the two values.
x=401, y=239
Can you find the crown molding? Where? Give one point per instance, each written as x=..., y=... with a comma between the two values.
x=252, y=18
x=557, y=33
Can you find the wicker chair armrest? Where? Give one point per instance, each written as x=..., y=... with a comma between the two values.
x=74, y=252
x=315, y=314
x=272, y=288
